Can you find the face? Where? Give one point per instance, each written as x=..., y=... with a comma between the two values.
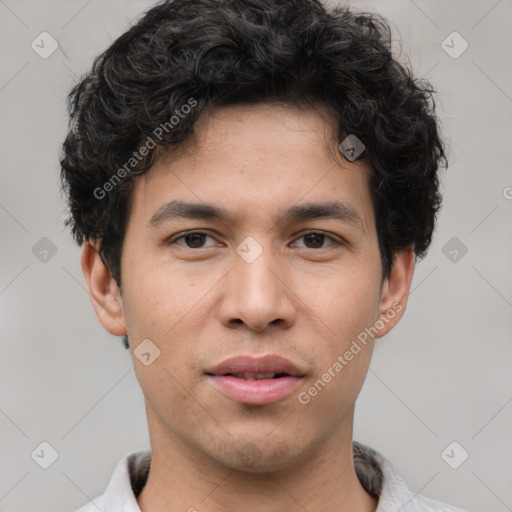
x=254, y=282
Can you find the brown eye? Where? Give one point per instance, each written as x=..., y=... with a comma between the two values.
x=315, y=240
x=193, y=239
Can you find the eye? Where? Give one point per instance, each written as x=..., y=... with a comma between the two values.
x=315, y=239
x=193, y=239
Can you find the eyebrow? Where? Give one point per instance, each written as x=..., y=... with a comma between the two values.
x=306, y=211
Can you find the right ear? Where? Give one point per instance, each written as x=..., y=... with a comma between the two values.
x=103, y=290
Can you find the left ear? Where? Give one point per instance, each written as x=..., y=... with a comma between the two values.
x=395, y=290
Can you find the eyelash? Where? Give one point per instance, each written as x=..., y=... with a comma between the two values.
x=174, y=239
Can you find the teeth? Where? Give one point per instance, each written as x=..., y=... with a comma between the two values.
x=255, y=376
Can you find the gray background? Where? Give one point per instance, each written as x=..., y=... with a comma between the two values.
x=442, y=375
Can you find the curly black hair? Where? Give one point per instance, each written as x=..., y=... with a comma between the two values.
x=211, y=53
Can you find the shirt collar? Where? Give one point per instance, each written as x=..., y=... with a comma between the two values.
x=375, y=472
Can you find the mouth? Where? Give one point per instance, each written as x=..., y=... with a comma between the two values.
x=256, y=380
x=257, y=376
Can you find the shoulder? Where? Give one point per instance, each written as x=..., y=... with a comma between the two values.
x=379, y=476
x=128, y=478
x=423, y=504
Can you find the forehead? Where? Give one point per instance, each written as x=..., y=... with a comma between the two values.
x=255, y=159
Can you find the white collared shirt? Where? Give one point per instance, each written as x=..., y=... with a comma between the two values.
x=375, y=472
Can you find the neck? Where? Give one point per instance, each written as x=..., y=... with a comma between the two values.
x=183, y=478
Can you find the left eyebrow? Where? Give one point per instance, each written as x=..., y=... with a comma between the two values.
x=303, y=212
x=332, y=210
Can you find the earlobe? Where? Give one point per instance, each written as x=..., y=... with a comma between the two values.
x=395, y=290
x=103, y=290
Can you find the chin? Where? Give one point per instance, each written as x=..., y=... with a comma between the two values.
x=259, y=455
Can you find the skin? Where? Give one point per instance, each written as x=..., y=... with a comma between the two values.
x=200, y=303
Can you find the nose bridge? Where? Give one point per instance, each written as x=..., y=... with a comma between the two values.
x=256, y=294
x=253, y=264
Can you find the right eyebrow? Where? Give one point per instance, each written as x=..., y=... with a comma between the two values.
x=181, y=209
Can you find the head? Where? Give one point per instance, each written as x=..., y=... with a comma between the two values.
x=240, y=107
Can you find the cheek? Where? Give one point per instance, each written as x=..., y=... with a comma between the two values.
x=160, y=298
x=330, y=395
x=343, y=304
x=171, y=308
x=342, y=308
x=164, y=308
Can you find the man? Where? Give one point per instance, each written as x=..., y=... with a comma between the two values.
x=252, y=181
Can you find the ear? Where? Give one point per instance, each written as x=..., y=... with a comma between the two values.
x=395, y=290
x=103, y=290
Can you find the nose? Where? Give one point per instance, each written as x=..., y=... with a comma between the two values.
x=257, y=295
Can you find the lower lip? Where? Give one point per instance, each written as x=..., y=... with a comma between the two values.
x=255, y=392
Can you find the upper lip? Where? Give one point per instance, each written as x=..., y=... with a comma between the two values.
x=252, y=364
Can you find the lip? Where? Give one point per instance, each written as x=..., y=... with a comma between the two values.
x=255, y=392
x=252, y=364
